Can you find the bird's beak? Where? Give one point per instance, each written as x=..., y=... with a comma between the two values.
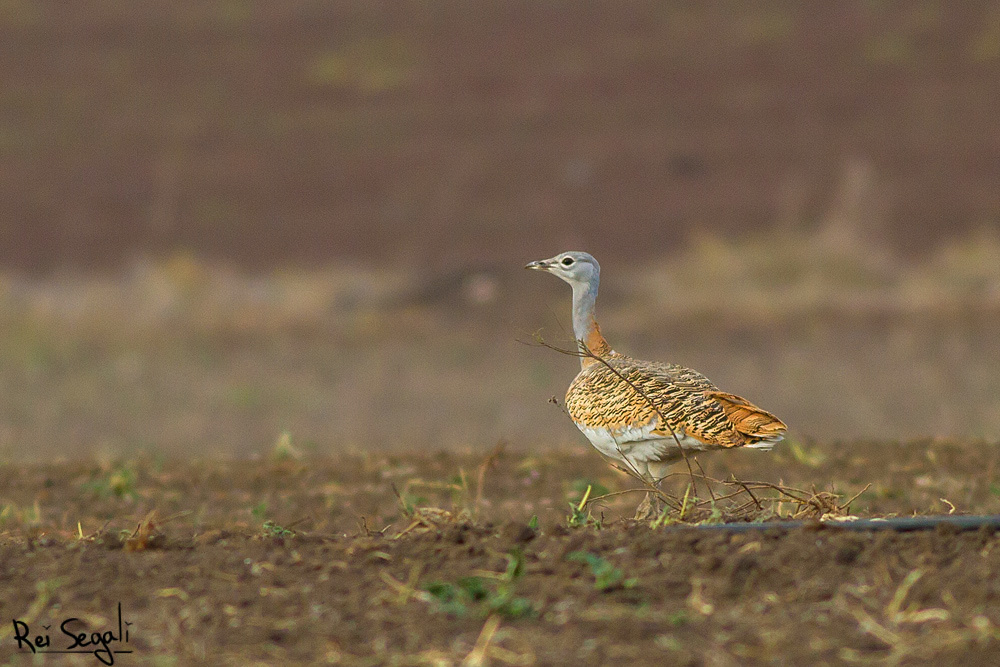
x=540, y=265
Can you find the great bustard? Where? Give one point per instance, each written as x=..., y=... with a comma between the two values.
x=621, y=403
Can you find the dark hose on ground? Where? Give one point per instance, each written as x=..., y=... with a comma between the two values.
x=900, y=524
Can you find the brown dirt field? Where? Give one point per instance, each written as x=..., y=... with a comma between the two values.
x=779, y=195
x=438, y=134
x=357, y=580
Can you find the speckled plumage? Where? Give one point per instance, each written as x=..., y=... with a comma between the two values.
x=620, y=393
x=644, y=412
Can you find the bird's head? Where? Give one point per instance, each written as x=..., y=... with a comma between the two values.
x=575, y=267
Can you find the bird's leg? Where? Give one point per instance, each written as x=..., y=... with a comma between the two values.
x=658, y=471
x=650, y=507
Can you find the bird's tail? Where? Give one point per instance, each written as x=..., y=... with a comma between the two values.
x=759, y=427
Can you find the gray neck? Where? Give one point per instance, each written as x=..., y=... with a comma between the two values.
x=584, y=297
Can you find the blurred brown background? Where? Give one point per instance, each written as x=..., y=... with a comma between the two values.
x=222, y=220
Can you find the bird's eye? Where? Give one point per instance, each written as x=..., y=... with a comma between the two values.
x=568, y=261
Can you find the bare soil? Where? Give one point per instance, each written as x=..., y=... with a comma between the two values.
x=436, y=559
x=433, y=139
x=268, y=134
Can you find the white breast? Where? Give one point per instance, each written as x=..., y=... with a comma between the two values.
x=639, y=443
